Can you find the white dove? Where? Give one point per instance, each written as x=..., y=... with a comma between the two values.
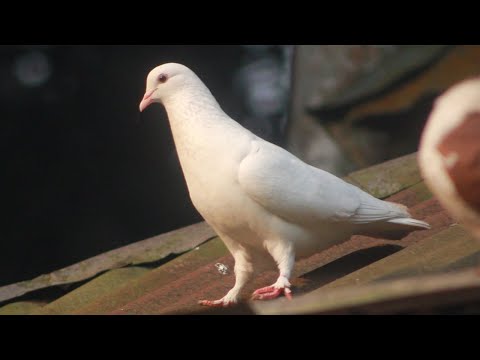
x=260, y=199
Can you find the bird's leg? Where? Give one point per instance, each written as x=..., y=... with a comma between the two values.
x=243, y=272
x=284, y=254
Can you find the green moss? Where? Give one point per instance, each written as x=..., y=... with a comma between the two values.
x=21, y=308
x=422, y=192
x=154, y=279
x=89, y=292
x=389, y=177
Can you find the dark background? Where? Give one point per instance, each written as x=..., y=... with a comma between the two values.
x=83, y=173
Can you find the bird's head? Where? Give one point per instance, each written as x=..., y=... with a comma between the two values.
x=163, y=81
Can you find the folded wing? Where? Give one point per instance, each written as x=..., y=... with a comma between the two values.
x=302, y=194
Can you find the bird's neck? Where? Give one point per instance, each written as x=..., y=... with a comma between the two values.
x=199, y=126
x=193, y=106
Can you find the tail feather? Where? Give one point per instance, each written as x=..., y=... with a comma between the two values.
x=392, y=229
x=385, y=219
x=411, y=222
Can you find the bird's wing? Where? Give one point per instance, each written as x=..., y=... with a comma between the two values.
x=300, y=193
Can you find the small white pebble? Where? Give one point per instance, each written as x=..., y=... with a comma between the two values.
x=222, y=268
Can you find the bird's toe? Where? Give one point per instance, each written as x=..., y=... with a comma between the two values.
x=216, y=303
x=271, y=292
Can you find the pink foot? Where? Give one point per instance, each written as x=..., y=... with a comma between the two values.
x=216, y=303
x=271, y=292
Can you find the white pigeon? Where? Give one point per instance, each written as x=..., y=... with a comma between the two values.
x=449, y=154
x=265, y=203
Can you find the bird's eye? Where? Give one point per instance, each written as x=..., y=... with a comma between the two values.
x=162, y=78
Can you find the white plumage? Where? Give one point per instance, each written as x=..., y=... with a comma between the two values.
x=263, y=202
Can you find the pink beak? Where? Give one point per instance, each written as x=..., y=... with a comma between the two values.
x=147, y=100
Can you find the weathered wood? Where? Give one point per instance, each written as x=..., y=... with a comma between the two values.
x=448, y=250
x=390, y=69
x=401, y=295
x=458, y=64
x=389, y=124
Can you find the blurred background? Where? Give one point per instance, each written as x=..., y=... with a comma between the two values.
x=84, y=172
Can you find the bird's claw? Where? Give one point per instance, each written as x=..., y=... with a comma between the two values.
x=271, y=292
x=216, y=303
